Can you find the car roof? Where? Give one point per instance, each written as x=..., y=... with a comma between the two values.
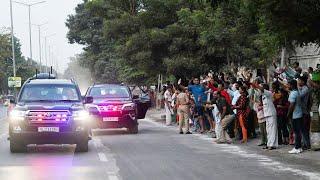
x=52, y=81
x=103, y=85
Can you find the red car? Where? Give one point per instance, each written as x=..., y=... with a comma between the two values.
x=115, y=107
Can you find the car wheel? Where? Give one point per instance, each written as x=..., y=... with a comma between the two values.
x=17, y=147
x=83, y=145
x=133, y=129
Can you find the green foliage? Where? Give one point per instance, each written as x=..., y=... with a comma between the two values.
x=292, y=20
x=134, y=40
x=23, y=67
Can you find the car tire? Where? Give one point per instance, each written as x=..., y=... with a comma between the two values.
x=133, y=129
x=17, y=147
x=83, y=145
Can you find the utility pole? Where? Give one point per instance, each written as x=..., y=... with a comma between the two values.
x=40, y=55
x=12, y=42
x=45, y=50
x=29, y=12
x=49, y=57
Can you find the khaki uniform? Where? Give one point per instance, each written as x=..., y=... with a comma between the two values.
x=183, y=110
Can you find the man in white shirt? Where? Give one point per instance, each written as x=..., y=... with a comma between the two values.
x=270, y=116
x=236, y=95
x=167, y=104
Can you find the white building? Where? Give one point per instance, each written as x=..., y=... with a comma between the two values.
x=307, y=56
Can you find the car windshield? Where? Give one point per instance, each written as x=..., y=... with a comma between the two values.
x=50, y=92
x=110, y=92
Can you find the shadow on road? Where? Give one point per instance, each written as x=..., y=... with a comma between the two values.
x=123, y=132
x=51, y=149
x=110, y=132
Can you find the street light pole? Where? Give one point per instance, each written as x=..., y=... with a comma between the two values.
x=30, y=41
x=45, y=53
x=49, y=56
x=45, y=50
x=40, y=63
x=29, y=11
x=39, y=33
x=12, y=42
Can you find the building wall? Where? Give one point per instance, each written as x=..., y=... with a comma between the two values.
x=307, y=56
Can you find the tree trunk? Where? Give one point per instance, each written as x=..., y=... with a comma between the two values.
x=283, y=55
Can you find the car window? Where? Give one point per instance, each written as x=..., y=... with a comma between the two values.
x=110, y=91
x=49, y=92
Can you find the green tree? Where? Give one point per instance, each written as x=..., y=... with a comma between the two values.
x=23, y=69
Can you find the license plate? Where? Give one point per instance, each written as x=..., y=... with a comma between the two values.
x=48, y=129
x=110, y=119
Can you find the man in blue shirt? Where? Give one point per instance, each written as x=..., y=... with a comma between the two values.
x=306, y=109
x=296, y=115
x=198, y=92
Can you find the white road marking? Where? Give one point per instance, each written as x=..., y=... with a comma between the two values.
x=109, y=160
x=102, y=157
x=3, y=136
x=264, y=161
x=97, y=143
x=113, y=177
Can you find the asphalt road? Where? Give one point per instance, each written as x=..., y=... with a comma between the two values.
x=157, y=152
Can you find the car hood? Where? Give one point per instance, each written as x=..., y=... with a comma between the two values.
x=70, y=106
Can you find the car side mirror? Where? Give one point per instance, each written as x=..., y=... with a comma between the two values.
x=13, y=101
x=88, y=99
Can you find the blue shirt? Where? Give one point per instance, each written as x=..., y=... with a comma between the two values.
x=295, y=97
x=305, y=93
x=198, y=91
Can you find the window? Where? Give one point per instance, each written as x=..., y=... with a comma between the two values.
x=49, y=93
x=110, y=91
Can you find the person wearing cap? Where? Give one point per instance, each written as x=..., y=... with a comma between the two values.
x=183, y=110
x=306, y=109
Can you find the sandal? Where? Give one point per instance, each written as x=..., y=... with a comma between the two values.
x=244, y=141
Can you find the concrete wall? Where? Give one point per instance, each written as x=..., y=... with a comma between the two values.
x=307, y=56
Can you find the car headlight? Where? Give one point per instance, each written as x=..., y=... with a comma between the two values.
x=129, y=107
x=17, y=115
x=81, y=115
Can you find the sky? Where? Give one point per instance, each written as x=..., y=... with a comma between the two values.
x=55, y=12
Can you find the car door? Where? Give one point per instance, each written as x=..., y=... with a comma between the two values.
x=142, y=99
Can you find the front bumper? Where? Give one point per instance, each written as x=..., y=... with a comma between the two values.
x=126, y=121
x=49, y=138
x=69, y=133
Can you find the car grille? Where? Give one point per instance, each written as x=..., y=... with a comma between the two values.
x=48, y=116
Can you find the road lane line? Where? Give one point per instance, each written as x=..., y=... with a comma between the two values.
x=108, y=160
x=113, y=177
x=102, y=157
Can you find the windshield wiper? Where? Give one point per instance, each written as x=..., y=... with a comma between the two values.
x=39, y=100
x=67, y=100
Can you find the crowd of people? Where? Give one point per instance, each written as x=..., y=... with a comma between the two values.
x=230, y=108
